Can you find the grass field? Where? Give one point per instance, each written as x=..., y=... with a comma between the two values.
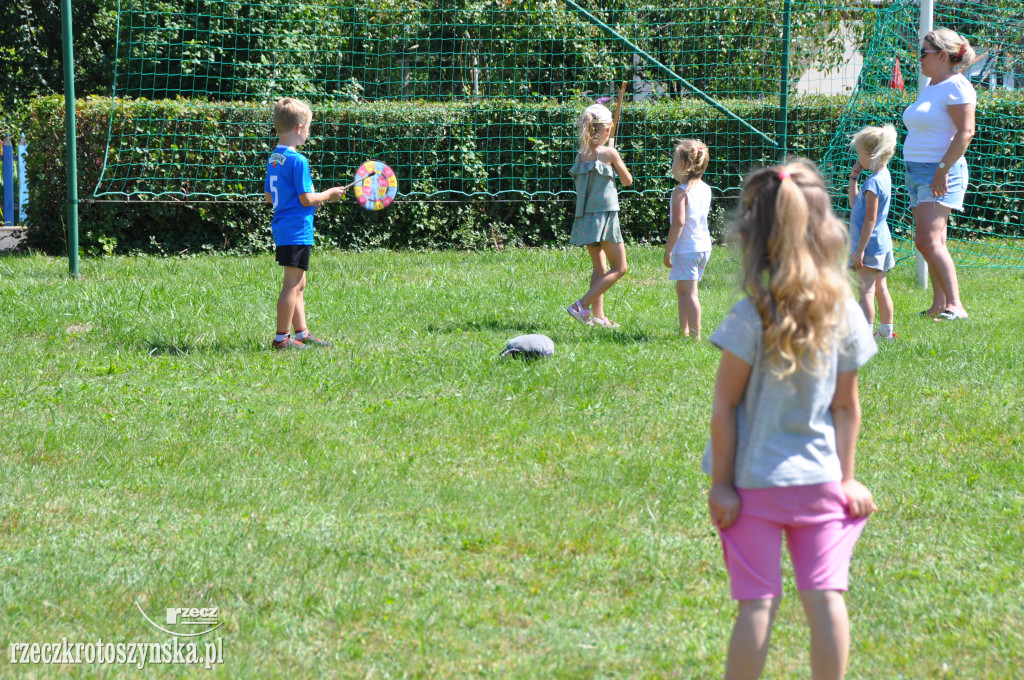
x=407, y=504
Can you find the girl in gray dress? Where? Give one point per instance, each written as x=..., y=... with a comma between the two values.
x=596, y=224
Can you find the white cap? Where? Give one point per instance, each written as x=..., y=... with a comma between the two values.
x=600, y=113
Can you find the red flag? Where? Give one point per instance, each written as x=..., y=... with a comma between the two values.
x=896, y=82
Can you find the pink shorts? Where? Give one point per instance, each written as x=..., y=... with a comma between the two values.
x=820, y=536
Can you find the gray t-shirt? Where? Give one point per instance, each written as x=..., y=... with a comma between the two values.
x=784, y=430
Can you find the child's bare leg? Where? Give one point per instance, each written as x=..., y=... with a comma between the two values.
x=885, y=306
x=299, y=315
x=684, y=325
x=616, y=256
x=691, y=307
x=600, y=263
x=748, y=646
x=866, y=291
x=289, y=302
x=830, y=633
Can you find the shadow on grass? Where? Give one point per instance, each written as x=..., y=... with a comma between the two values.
x=154, y=349
x=514, y=327
x=491, y=325
x=620, y=336
x=197, y=346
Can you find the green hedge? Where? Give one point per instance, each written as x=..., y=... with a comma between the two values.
x=996, y=158
x=243, y=225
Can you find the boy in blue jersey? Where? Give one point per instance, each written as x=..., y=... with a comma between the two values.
x=289, y=188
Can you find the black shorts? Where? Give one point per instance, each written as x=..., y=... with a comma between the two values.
x=293, y=256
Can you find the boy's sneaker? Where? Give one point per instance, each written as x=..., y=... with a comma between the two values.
x=288, y=343
x=891, y=337
x=580, y=313
x=310, y=341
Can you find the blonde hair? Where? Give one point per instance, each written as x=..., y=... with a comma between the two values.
x=589, y=131
x=792, y=246
x=879, y=142
x=290, y=113
x=957, y=49
x=694, y=155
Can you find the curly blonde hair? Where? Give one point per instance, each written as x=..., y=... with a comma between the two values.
x=793, y=247
x=694, y=156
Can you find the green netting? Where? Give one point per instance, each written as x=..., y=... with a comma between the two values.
x=989, y=231
x=468, y=99
x=461, y=98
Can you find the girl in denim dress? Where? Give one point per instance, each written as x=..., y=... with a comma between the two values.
x=871, y=254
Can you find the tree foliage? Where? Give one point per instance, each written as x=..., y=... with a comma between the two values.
x=31, y=50
x=417, y=49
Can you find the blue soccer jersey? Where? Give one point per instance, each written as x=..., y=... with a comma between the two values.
x=287, y=177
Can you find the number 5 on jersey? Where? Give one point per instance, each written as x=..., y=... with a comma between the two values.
x=273, y=189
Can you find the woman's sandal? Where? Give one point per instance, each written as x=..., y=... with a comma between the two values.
x=950, y=315
x=605, y=322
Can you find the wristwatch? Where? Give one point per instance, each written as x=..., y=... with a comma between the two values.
x=942, y=165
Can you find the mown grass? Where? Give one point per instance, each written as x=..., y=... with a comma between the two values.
x=407, y=504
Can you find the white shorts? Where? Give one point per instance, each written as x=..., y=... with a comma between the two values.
x=688, y=266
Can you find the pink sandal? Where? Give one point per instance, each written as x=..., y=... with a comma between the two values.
x=580, y=313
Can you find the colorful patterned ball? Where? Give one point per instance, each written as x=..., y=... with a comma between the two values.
x=375, y=191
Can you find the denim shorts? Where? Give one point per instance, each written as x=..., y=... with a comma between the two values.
x=883, y=262
x=919, y=180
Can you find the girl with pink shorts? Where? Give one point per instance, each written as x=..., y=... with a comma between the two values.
x=785, y=419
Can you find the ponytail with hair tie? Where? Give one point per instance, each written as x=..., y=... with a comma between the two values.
x=791, y=219
x=957, y=47
x=793, y=246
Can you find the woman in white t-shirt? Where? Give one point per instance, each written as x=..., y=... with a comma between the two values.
x=940, y=125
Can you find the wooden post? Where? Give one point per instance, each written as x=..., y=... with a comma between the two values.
x=618, y=110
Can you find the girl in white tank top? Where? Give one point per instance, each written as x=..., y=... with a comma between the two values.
x=688, y=246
